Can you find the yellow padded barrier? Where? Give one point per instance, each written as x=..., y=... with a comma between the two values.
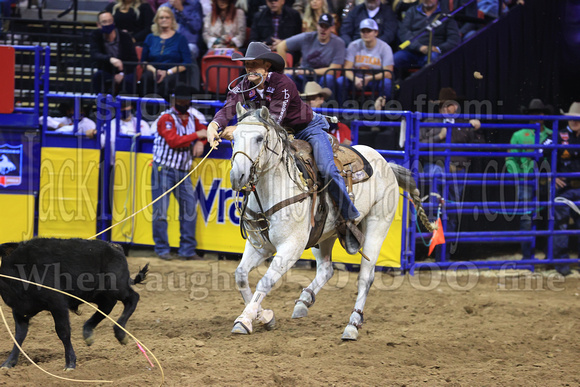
x=16, y=218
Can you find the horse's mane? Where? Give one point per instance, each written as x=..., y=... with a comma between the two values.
x=283, y=136
x=270, y=123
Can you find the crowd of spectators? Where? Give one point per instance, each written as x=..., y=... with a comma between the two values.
x=386, y=37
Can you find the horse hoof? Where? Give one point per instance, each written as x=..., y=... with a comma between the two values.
x=267, y=318
x=300, y=310
x=240, y=329
x=350, y=333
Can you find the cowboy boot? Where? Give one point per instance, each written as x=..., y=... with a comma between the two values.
x=354, y=238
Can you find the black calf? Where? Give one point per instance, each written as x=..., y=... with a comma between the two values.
x=93, y=270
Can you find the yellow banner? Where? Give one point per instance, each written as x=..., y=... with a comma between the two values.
x=69, y=190
x=217, y=221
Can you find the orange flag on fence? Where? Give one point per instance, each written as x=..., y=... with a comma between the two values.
x=438, y=238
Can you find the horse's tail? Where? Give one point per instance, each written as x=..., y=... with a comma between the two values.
x=407, y=182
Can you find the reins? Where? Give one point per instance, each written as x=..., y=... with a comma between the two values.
x=258, y=222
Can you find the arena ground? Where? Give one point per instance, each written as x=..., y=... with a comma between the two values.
x=460, y=329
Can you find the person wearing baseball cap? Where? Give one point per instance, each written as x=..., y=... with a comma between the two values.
x=367, y=53
x=377, y=10
x=320, y=51
x=267, y=86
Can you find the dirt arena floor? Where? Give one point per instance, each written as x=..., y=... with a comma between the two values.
x=465, y=329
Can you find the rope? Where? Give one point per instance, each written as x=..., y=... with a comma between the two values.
x=92, y=306
x=156, y=200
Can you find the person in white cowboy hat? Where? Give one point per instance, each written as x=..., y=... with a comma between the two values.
x=274, y=90
x=567, y=188
x=316, y=95
x=525, y=165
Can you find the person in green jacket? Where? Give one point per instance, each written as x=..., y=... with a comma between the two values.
x=525, y=191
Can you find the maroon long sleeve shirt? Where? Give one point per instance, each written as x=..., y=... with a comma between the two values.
x=281, y=97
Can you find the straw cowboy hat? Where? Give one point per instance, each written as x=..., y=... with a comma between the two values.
x=537, y=106
x=573, y=111
x=258, y=50
x=313, y=89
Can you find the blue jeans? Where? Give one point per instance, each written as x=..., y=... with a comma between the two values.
x=344, y=87
x=525, y=196
x=315, y=134
x=406, y=58
x=162, y=179
x=562, y=214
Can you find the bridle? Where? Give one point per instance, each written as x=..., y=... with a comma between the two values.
x=258, y=222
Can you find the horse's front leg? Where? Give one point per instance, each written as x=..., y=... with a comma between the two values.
x=286, y=257
x=324, y=273
x=251, y=259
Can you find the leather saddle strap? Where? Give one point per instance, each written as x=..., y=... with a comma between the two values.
x=278, y=206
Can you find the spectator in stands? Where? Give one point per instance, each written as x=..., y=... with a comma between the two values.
x=367, y=53
x=381, y=13
x=320, y=51
x=525, y=165
x=466, y=27
x=400, y=7
x=65, y=123
x=251, y=8
x=189, y=16
x=275, y=23
x=225, y=26
x=445, y=36
x=166, y=53
x=312, y=13
x=449, y=106
x=178, y=139
x=110, y=50
x=132, y=16
x=316, y=95
x=127, y=127
x=567, y=188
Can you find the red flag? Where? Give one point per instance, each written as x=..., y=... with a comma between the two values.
x=438, y=238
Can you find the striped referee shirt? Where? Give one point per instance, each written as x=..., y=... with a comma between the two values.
x=173, y=144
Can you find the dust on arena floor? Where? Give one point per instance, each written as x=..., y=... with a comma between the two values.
x=464, y=328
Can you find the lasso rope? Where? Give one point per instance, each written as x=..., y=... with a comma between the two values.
x=156, y=200
x=139, y=343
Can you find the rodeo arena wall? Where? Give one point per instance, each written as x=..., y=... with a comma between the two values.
x=67, y=185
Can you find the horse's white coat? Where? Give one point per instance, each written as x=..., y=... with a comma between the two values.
x=376, y=199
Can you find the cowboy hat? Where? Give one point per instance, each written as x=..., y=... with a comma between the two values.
x=446, y=95
x=181, y=92
x=573, y=111
x=258, y=50
x=312, y=89
x=537, y=106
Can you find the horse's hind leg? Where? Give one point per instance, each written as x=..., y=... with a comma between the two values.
x=376, y=229
x=324, y=272
x=286, y=257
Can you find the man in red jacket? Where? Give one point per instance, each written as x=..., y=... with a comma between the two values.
x=178, y=139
